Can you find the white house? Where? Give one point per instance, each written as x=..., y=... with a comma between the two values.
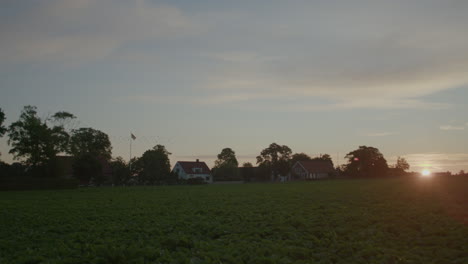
x=193, y=169
x=312, y=169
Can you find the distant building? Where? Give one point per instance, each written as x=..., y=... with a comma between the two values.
x=312, y=170
x=193, y=169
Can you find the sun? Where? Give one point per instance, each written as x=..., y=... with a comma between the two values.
x=426, y=173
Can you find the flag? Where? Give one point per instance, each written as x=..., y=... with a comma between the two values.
x=133, y=136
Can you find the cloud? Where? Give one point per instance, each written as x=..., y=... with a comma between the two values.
x=304, y=56
x=84, y=30
x=381, y=134
x=450, y=127
x=364, y=54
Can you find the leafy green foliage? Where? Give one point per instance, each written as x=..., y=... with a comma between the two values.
x=366, y=162
x=359, y=221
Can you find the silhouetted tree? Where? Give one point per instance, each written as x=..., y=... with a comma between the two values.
x=34, y=141
x=2, y=127
x=299, y=157
x=366, y=162
x=247, y=165
x=226, y=159
x=276, y=158
x=226, y=166
x=154, y=167
x=87, y=168
x=90, y=149
x=120, y=171
x=2, y=119
x=90, y=141
x=325, y=157
x=402, y=164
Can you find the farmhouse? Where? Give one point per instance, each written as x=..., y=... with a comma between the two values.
x=193, y=169
x=312, y=169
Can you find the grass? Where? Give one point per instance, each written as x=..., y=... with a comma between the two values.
x=341, y=221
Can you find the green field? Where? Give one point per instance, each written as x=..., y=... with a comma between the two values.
x=337, y=221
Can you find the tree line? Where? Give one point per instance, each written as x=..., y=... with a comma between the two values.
x=37, y=142
x=277, y=160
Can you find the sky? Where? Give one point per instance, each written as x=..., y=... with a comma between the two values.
x=199, y=76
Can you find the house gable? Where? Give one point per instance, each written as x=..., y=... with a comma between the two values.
x=193, y=169
x=313, y=169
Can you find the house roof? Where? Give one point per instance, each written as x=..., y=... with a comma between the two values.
x=317, y=166
x=188, y=167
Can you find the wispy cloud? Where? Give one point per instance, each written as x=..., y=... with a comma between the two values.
x=83, y=30
x=381, y=134
x=450, y=127
x=304, y=59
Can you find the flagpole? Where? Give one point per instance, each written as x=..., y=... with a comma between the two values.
x=130, y=160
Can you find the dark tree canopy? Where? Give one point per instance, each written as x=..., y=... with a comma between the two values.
x=299, y=157
x=226, y=159
x=154, y=167
x=120, y=171
x=2, y=119
x=87, y=167
x=34, y=141
x=402, y=164
x=90, y=141
x=276, y=158
x=247, y=165
x=324, y=157
x=366, y=162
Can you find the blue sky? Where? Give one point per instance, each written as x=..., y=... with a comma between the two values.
x=198, y=76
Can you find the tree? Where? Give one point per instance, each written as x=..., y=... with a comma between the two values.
x=90, y=148
x=276, y=158
x=87, y=168
x=33, y=140
x=402, y=164
x=366, y=162
x=2, y=127
x=154, y=167
x=299, y=157
x=226, y=159
x=247, y=165
x=90, y=141
x=120, y=171
x=226, y=166
x=324, y=157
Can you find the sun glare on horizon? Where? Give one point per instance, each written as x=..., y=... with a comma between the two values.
x=426, y=173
